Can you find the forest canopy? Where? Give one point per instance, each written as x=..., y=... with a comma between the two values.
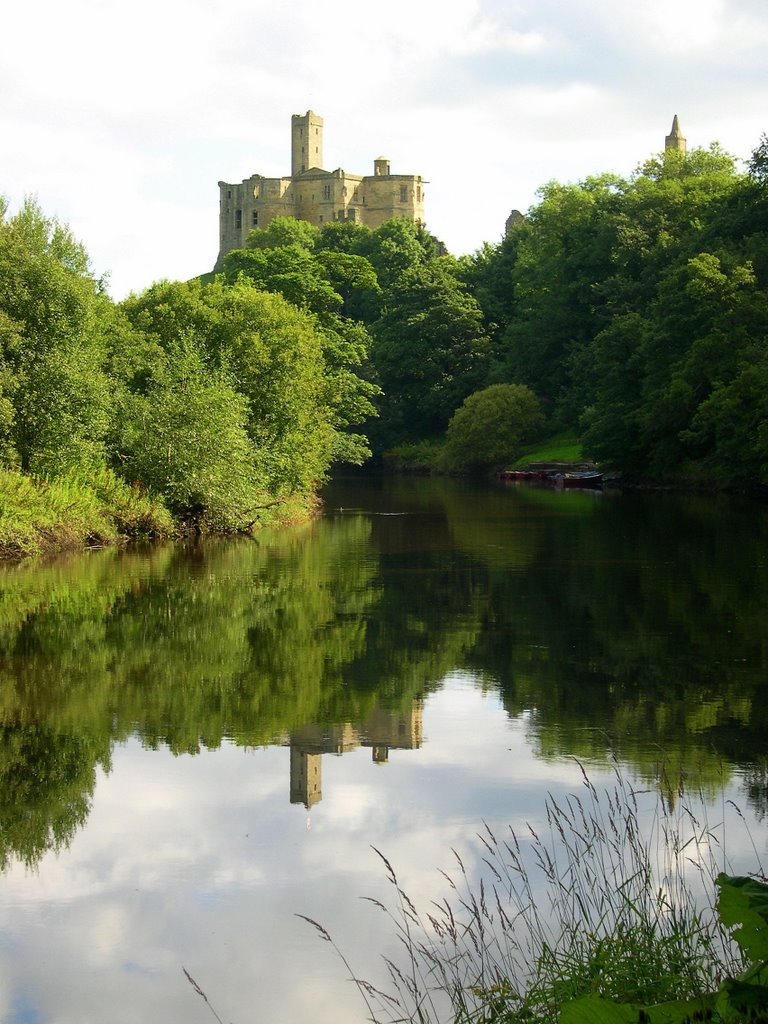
x=633, y=312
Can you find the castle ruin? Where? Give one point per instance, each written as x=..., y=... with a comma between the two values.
x=675, y=141
x=313, y=194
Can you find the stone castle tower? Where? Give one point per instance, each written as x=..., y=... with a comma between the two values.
x=313, y=194
x=675, y=140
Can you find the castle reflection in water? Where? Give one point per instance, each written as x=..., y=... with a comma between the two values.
x=382, y=731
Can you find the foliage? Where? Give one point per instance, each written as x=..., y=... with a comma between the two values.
x=54, y=394
x=758, y=162
x=257, y=345
x=185, y=438
x=430, y=350
x=38, y=516
x=282, y=260
x=565, y=921
x=414, y=456
x=637, y=310
x=490, y=426
x=741, y=901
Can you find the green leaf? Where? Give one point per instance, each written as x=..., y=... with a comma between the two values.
x=744, y=901
x=594, y=1010
x=743, y=1000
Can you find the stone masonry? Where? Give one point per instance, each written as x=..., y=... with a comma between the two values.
x=313, y=194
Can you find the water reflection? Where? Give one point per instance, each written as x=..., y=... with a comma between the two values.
x=427, y=656
x=631, y=623
x=382, y=731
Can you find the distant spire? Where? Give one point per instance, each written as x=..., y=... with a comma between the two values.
x=675, y=140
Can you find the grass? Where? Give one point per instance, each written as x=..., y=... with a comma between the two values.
x=43, y=516
x=562, y=448
x=598, y=905
x=426, y=456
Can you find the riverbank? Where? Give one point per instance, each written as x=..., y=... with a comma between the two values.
x=41, y=517
x=44, y=517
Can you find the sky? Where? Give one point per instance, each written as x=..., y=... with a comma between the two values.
x=122, y=118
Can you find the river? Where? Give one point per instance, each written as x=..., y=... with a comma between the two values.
x=202, y=742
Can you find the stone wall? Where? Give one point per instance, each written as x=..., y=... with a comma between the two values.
x=315, y=195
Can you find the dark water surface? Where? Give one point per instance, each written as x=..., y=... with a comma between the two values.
x=198, y=743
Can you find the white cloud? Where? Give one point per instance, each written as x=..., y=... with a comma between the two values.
x=123, y=119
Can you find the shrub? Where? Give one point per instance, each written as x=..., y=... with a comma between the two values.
x=491, y=425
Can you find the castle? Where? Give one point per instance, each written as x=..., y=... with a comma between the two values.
x=675, y=141
x=315, y=195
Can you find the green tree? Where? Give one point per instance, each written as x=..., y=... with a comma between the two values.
x=284, y=231
x=309, y=281
x=562, y=255
x=273, y=354
x=185, y=438
x=430, y=351
x=54, y=393
x=491, y=425
x=396, y=247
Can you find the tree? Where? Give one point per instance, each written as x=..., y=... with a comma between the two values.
x=54, y=393
x=561, y=257
x=309, y=281
x=430, y=351
x=185, y=438
x=284, y=231
x=270, y=351
x=397, y=246
x=757, y=165
x=489, y=427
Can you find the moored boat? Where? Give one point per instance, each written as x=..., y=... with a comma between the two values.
x=587, y=478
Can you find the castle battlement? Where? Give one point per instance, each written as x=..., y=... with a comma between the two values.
x=313, y=194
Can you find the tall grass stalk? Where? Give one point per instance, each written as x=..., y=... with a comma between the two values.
x=606, y=900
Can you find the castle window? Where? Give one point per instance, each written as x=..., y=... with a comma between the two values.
x=403, y=194
x=229, y=193
x=326, y=191
x=418, y=194
x=352, y=213
x=238, y=218
x=255, y=218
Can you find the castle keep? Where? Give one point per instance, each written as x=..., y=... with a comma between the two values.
x=313, y=194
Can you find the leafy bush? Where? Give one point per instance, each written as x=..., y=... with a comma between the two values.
x=416, y=457
x=490, y=426
x=186, y=440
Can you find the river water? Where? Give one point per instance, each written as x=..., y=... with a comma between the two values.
x=200, y=743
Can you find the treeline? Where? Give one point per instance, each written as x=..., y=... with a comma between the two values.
x=637, y=311
x=212, y=405
x=629, y=314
